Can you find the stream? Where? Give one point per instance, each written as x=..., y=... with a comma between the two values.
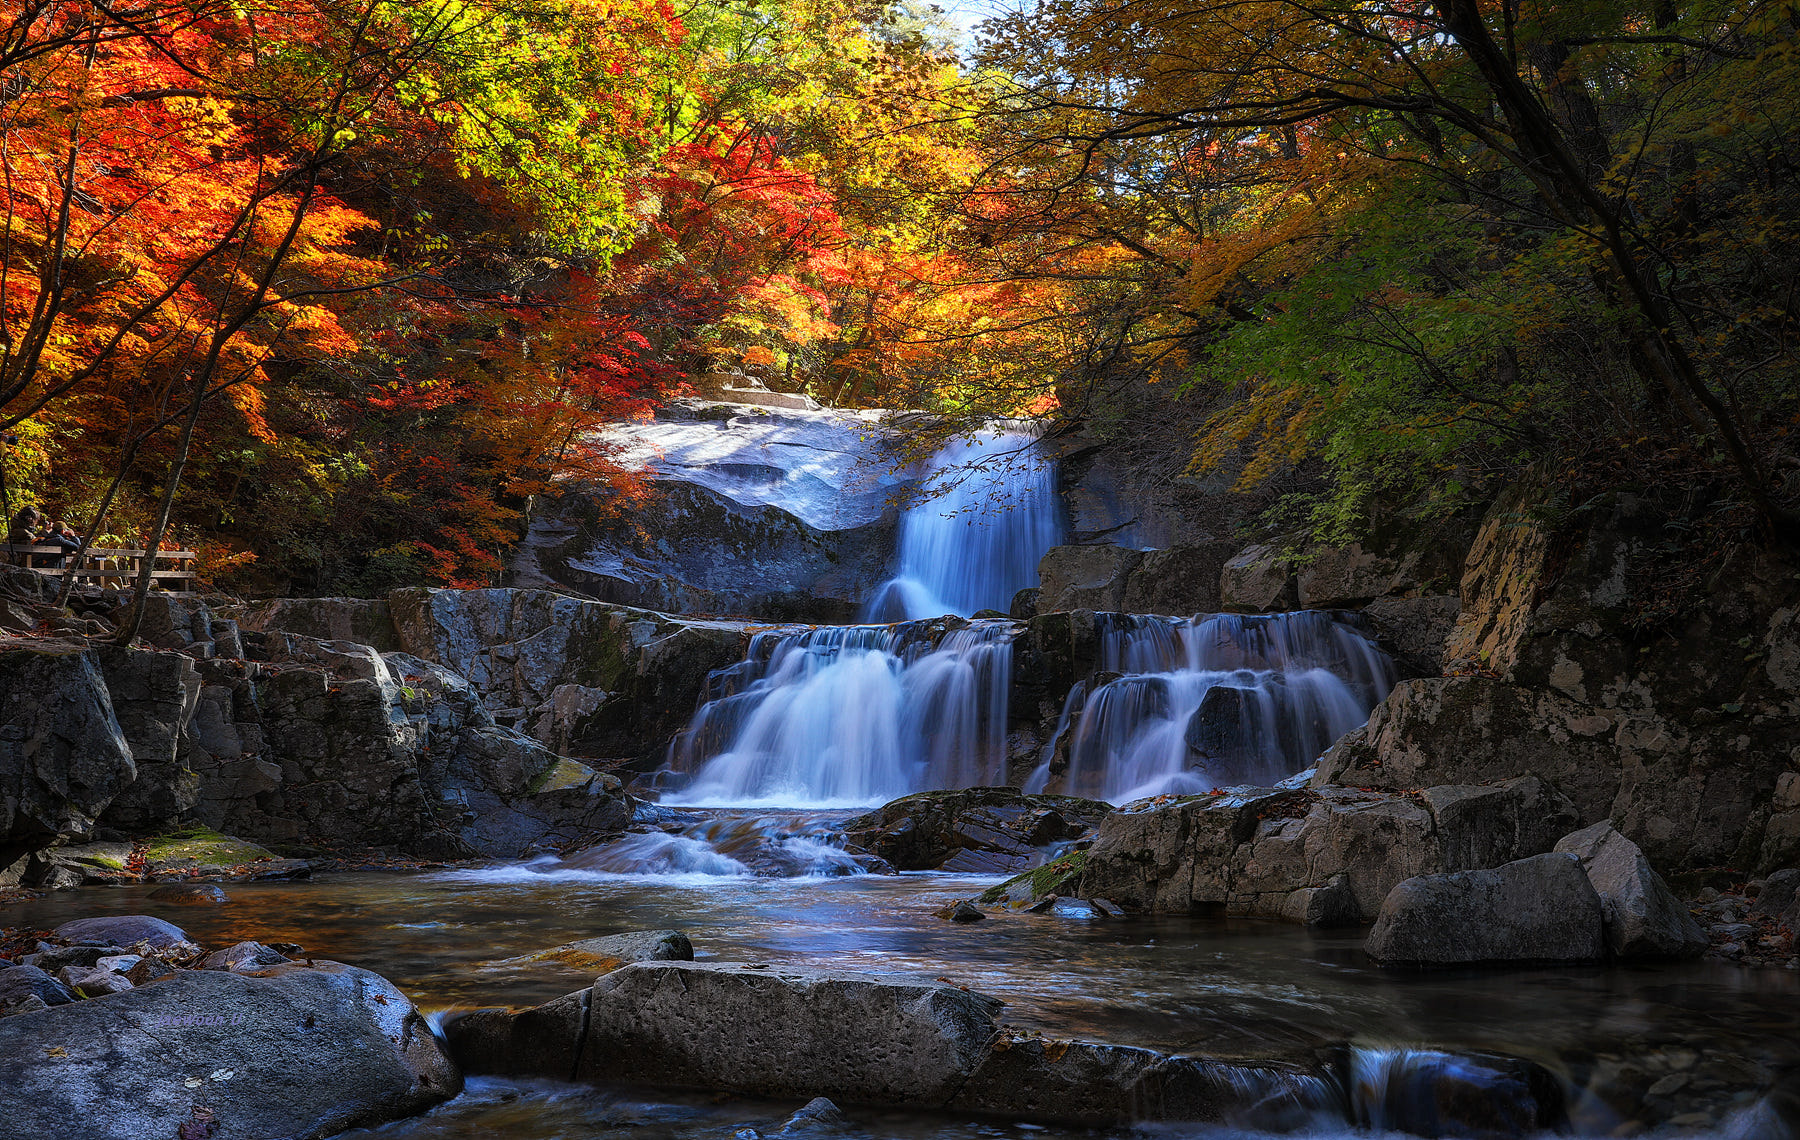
x=1224, y=987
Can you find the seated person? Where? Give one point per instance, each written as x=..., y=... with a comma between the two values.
x=60, y=534
x=24, y=532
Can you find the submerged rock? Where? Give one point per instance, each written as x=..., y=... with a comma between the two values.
x=815, y=1113
x=1541, y=909
x=183, y=894
x=1644, y=919
x=1428, y=1092
x=291, y=1052
x=609, y=952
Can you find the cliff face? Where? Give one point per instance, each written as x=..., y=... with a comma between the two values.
x=1685, y=733
x=459, y=739
x=1579, y=687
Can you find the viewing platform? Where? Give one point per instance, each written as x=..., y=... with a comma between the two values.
x=114, y=566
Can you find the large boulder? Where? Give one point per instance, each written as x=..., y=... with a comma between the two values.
x=1181, y=580
x=979, y=830
x=1541, y=909
x=1085, y=577
x=783, y=1032
x=1323, y=856
x=1413, y=630
x=284, y=1052
x=63, y=757
x=1644, y=919
x=125, y=930
x=772, y=1031
x=1258, y=579
x=855, y=1038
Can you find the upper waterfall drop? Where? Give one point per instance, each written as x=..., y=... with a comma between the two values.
x=991, y=513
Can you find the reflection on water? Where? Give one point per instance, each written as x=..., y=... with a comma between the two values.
x=1228, y=987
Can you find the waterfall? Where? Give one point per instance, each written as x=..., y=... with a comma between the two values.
x=1211, y=702
x=851, y=715
x=990, y=513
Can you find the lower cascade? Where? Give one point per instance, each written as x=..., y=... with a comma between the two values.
x=1212, y=701
x=862, y=714
x=851, y=715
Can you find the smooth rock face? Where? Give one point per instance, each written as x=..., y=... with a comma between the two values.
x=543, y=1041
x=1540, y=909
x=783, y=1032
x=63, y=758
x=1644, y=919
x=293, y=1052
x=124, y=930
x=1085, y=577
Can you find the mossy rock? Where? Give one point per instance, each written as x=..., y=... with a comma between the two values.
x=1051, y=879
x=567, y=773
x=199, y=847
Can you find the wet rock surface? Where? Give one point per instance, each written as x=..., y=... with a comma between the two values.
x=607, y=953
x=974, y=830
x=855, y=1039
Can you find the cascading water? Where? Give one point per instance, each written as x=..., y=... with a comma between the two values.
x=851, y=715
x=976, y=540
x=1212, y=701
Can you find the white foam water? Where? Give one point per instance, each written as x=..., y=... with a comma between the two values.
x=988, y=513
x=1212, y=701
x=850, y=715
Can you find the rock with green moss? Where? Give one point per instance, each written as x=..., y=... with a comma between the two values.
x=201, y=850
x=1059, y=878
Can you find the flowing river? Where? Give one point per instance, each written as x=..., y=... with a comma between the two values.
x=1221, y=987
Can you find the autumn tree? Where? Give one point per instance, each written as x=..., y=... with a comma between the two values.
x=1403, y=225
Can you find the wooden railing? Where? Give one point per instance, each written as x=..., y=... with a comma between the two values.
x=116, y=566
